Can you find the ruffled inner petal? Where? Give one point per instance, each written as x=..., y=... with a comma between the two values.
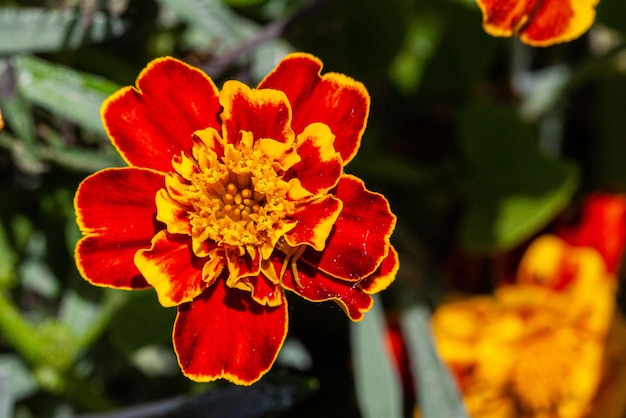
x=316, y=286
x=115, y=210
x=240, y=266
x=359, y=240
x=264, y=113
x=333, y=99
x=172, y=269
x=264, y=291
x=320, y=166
x=151, y=123
x=225, y=334
x=314, y=222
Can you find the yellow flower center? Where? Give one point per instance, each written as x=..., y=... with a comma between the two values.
x=238, y=200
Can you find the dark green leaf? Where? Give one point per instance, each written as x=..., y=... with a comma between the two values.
x=244, y=3
x=514, y=189
x=437, y=393
x=8, y=258
x=609, y=147
x=142, y=321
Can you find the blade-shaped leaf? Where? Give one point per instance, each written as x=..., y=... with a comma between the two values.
x=8, y=258
x=16, y=382
x=378, y=385
x=44, y=30
x=515, y=189
x=437, y=393
x=68, y=93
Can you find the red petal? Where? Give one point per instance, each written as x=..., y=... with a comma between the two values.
x=320, y=166
x=602, y=226
x=536, y=22
x=360, y=238
x=314, y=222
x=115, y=210
x=225, y=334
x=316, y=286
x=265, y=113
x=384, y=276
x=108, y=262
x=170, y=266
x=333, y=99
x=151, y=123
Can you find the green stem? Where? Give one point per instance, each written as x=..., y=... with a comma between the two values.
x=18, y=332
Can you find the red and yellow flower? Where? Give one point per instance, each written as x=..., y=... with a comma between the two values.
x=231, y=197
x=538, y=22
x=534, y=349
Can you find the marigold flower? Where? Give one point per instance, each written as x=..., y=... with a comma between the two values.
x=536, y=348
x=232, y=197
x=538, y=22
x=1, y=121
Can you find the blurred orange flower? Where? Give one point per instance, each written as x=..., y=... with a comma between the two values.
x=534, y=349
x=538, y=22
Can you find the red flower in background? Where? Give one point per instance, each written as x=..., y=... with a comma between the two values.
x=232, y=197
x=538, y=22
x=602, y=226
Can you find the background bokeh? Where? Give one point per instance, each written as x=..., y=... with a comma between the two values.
x=479, y=144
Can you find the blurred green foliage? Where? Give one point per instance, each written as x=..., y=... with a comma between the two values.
x=478, y=143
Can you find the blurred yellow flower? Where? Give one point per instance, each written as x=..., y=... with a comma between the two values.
x=534, y=349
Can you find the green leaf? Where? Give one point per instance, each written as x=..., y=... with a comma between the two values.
x=244, y=3
x=77, y=313
x=155, y=360
x=18, y=379
x=68, y=93
x=35, y=273
x=45, y=30
x=514, y=189
x=8, y=258
x=357, y=37
x=422, y=38
x=437, y=394
x=142, y=321
x=211, y=23
x=378, y=384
